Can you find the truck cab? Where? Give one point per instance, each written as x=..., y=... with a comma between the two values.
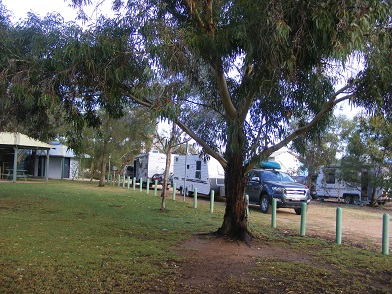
x=268, y=183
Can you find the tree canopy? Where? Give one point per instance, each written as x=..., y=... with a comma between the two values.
x=369, y=149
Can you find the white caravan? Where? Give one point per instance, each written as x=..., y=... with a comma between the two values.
x=330, y=184
x=192, y=171
x=148, y=164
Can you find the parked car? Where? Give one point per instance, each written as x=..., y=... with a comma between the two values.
x=305, y=181
x=159, y=178
x=267, y=184
x=128, y=171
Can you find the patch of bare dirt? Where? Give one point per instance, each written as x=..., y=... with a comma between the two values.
x=212, y=262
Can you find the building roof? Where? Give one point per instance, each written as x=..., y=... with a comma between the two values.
x=61, y=150
x=8, y=139
x=284, y=150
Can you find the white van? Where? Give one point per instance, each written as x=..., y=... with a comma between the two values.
x=192, y=171
x=148, y=164
x=330, y=184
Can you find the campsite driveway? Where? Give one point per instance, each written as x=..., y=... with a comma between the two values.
x=361, y=225
x=214, y=265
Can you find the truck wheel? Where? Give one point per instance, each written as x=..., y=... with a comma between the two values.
x=188, y=193
x=356, y=199
x=298, y=210
x=347, y=199
x=265, y=206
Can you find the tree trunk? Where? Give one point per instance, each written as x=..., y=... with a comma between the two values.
x=373, y=199
x=92, y=170
x=103, y=171
x=165, y=178
x=169, y=152
x=235, y=223
x=105, y=152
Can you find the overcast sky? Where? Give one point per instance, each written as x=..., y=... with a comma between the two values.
x=20, y=8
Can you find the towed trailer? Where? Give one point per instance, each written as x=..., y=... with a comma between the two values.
x=192, y=171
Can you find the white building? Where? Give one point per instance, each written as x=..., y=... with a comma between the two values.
x=63, y=163
x=288, y=160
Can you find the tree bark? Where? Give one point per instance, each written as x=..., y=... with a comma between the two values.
x=165, y=178
x=169, y=152
x=235, y=223
x=92, y=170
x=103, y=171
x=104, y=153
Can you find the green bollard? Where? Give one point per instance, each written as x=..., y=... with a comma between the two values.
x=338, y=225
x=128, y=180
x=195, y=198
x=212, y=201
x=303, y=219
x=385, y=234
x=141, y=184
x=148, y=186
x=174, y=191
x=123, y=179
x=155, y=187
x=134, y=183
x=118, y=180
x=273, y=217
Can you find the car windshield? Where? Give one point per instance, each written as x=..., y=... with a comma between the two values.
x=275, y=176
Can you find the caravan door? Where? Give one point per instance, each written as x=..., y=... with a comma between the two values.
x=330, y=183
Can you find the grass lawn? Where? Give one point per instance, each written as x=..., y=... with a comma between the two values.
x=76, y=237
x=69, y=236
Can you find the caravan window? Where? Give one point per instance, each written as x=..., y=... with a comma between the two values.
x=198, y=170
x=330, y=176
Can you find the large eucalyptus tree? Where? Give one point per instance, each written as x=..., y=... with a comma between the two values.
x=21, y=47
x=252, y=66
x=243, y=70
x=249, y=67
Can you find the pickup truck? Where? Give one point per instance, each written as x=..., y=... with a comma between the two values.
x=266, y=184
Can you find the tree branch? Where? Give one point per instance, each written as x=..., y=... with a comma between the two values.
x=224, y=92
x=327, y=107
x=180, y=124
x=206, y=147
x=190, y=4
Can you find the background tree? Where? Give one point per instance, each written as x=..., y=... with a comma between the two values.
x=369, y=153
x=121, y=138
x=25, y=51
x=47, y=93
x=323, y=146
x=169, y=144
